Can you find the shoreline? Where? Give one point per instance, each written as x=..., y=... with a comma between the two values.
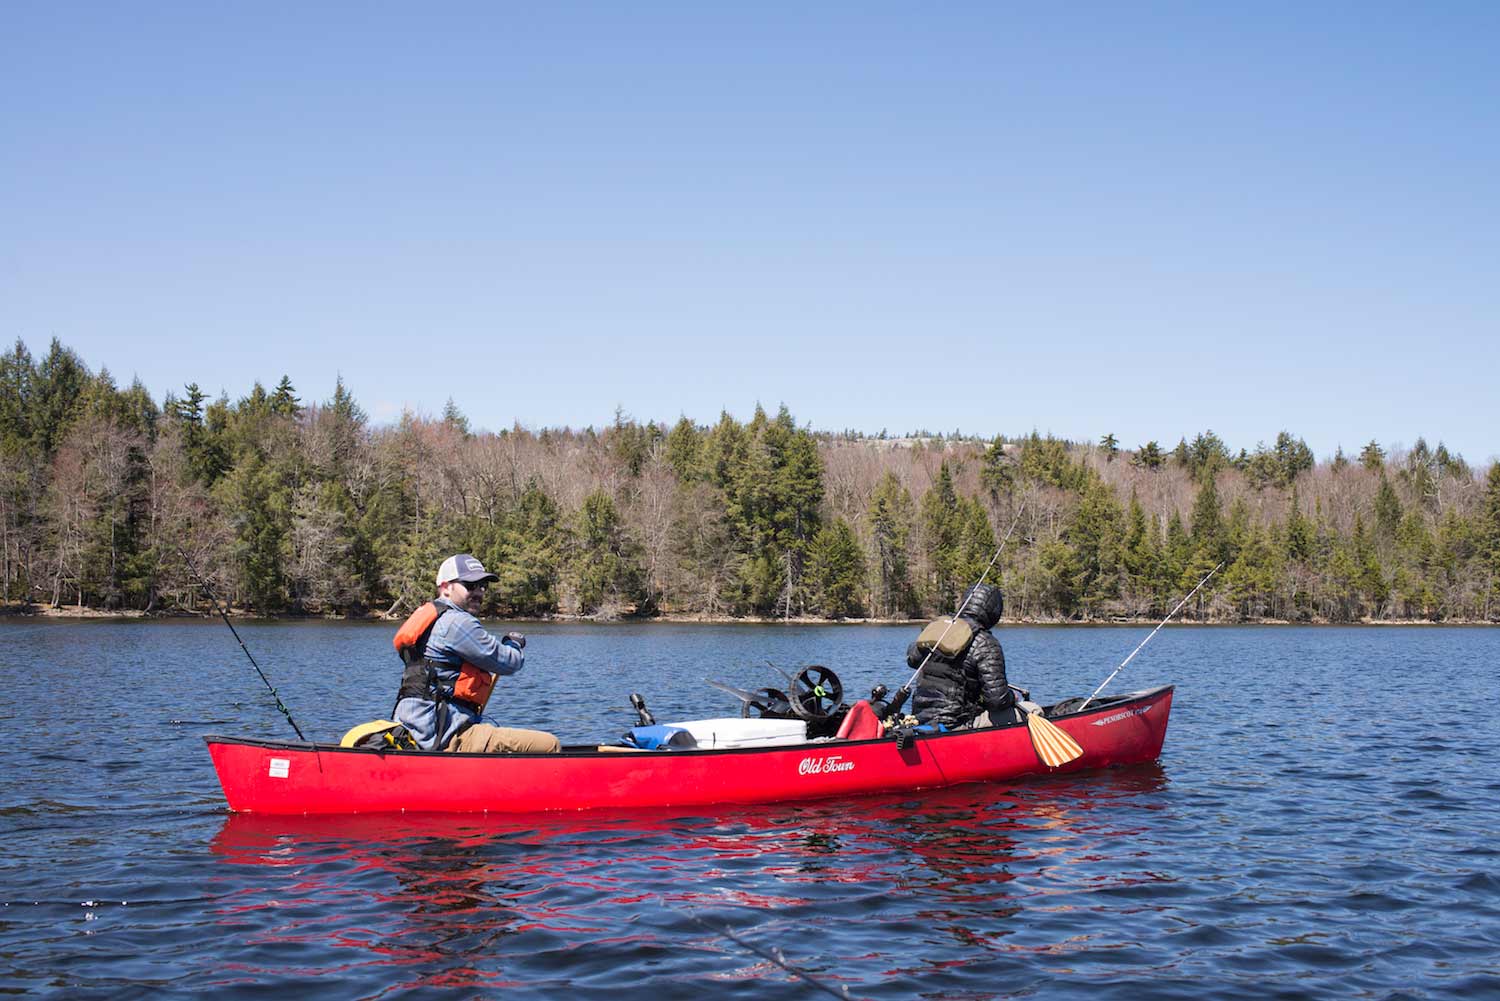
x=75, y=613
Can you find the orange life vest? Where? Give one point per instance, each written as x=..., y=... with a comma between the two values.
x=474, y=684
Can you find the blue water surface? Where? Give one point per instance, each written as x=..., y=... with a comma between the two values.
x=1322, y=824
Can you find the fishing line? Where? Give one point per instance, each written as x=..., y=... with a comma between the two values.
x=773, y=956
x=1137, y=650
x=213, y=599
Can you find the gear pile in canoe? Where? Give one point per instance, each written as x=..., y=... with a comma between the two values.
x=807, y=745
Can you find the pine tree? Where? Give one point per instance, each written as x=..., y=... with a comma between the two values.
x=284, y=400
x=58, y=384
x=1387, y=510
x=1150, y=456
x=684, y=442
x=606, y=563
x=1208, y=525
x=890, y=525
x=1292, y=457
x=1299, y=532
x=998, y=470
x=1094, y=533
x=258, y=507
x=202, y=441
x=1489, y=533
x=836, y=571
x=941, y=527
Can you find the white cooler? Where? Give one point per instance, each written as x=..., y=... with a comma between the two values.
x=731, y=731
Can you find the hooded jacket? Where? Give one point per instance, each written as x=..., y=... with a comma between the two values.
x=953, y=692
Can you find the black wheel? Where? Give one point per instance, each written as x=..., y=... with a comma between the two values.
x=816, y=693
x=768, y=703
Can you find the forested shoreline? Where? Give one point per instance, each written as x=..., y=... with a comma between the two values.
x=293, y=507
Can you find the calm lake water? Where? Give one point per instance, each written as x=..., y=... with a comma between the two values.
x=1324, y=823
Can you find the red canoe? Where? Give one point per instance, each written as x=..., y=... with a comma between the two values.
x=279, y=777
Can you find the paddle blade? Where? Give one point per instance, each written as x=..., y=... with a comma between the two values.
x=1053, y=746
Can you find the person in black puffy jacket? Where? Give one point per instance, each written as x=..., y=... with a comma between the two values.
x=954, y=692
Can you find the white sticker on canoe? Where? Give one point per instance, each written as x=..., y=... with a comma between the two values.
x=1138, y=711
x=280, y=767
x=824, y=766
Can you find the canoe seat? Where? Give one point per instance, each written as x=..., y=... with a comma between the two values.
x=861, y=723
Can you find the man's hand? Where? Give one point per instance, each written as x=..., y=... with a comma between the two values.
x=515, y=639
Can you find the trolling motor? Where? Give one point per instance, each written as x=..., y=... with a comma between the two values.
x=644, y=714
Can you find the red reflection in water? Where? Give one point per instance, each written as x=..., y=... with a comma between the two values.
x=444, y=893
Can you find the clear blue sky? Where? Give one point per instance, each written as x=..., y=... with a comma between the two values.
x=1145, y=219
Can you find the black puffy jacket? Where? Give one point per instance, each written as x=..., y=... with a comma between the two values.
x=953, y=692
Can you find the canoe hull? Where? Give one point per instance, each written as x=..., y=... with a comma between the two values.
x=273, y=777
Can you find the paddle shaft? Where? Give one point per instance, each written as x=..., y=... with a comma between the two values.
x=904, y=692
x=203, y=582
x=1138, y=649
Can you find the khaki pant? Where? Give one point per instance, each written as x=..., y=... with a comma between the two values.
x=1004, y=716
x=481, y=737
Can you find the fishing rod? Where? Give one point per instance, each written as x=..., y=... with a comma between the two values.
x=203, y=582
x=904, y=692
x=1137, y=650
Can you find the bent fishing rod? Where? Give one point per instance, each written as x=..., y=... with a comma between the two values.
x=203, y=582
x=904, y=692
x=1138, y=649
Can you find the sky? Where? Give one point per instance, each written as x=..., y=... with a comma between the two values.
x=1145, y=220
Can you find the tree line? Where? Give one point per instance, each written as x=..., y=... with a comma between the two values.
x=296, y=507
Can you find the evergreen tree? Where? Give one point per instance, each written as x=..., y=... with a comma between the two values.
x=1045, y=460
x=1372, y=583
x=284, y=402
x=890, y=524
x=1208, y=524
x=1095, y=535
x=998, y=470
x=836, y=571
x=258, y=508
x=1292, y=457
x=1489, y=534
x=56, y=388
x=606, y=561
x=17, y=375
x=527, y=552
x=204, y=445
x=1299, y=532
x=684, y=442
x=1262, y=468
x=1150, y=456
x=1208, y=453
x=941, y=528
x=1059, y=573
x=1387, y=510
x=1141, y=554
x=453, y=417
x=1372, y=457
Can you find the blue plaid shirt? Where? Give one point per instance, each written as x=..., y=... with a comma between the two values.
x=457, y=638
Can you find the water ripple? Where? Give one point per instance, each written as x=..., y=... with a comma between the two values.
x=1296, y=841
